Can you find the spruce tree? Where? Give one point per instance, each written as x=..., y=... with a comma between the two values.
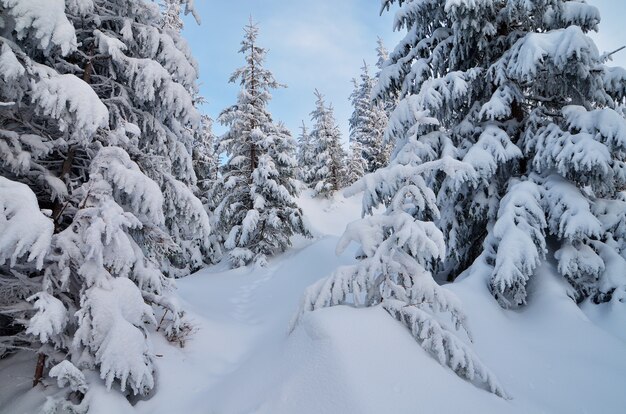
x=520, y=93
x=382, y=55
x=256, y=209
x=306, y=155
x=398, y=252
x=98, y=119
x=357, y=165
x=153, y=78
x=390, y=100
x=47, y=118
x=507, y=141
x=328, y=173
x=205, y=158
x=368, y=122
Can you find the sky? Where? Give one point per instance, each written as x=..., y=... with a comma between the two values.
x=316, y=44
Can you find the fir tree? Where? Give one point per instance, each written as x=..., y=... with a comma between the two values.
x=328, y=173
x=47, y=118
x=153, y=76
x=171, y=15
x=256, y=209
x=368, y=122
x=98, y=118
x=357, y=165
x=382, y=55
x=520, y=94
x=306, y=155
x=389, y=101
x=172, y=9
x=398, y=253
x=205, y=158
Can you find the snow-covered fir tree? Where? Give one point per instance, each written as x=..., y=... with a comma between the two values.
x=171, y=15
x=97, y=260
x=329, y=167
x=96, y=123
x=306, y=155
x=507, y=142
x=356, y=165
x=368, y=122
x=205, y=158
x=152, y=76
x=390, y=100
x=382, y=55
x=255, y=195
x=46, y=118
x=398, y=252
x=521, y=94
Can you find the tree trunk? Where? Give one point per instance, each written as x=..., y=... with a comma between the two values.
x=58, y=208
x=87, y=72
x=41, y=362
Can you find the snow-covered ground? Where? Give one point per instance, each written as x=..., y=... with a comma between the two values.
x=240, y=358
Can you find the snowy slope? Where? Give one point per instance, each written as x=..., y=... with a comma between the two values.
x=240, y=359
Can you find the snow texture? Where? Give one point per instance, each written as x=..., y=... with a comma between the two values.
x=24, y=229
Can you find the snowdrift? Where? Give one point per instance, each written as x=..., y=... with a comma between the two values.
x=550, y=356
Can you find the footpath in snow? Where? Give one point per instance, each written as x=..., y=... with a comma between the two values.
x=240, y=358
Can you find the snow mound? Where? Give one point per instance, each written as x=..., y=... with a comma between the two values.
x=240, y=359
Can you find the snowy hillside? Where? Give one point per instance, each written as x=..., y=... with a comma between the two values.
x=461, y=247
x=240, y=358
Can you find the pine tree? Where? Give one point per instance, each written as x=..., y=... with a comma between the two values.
x=382, y=55
x=390, y=100
x=205, y=158
x=47, y=118
x=520, y=94
x=256, y=209
x=171, y=16
x=172, y=9
x=398, y=253
x=328, y=173
x=306, y=158
x=357, y=165
x=96, y=120
x=153, y=78
x=368, y=122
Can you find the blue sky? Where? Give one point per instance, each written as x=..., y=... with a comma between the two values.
x=316, y=44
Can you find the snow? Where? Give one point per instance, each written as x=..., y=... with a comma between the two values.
x=66, y=372
x=50, y=319
x=23, y=227
x=10, y=67
x=530, y=53
x=494, y=147
x=111, y=325
x=45, y=20
x=239, y=358
x=65, y=98
x=115, y=167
